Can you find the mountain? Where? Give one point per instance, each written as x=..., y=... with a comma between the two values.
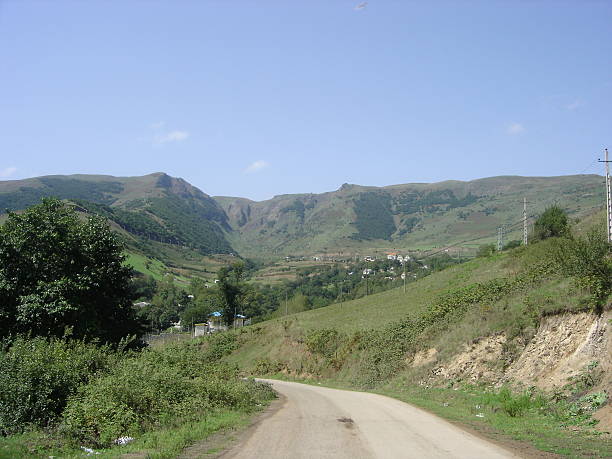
x=154, y=207
x=410, y=216
x=353, y=219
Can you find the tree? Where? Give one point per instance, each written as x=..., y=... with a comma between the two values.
x=552, y=223
x=166, y=305
x=485, y=250
x=57, y=271
x=230, y=289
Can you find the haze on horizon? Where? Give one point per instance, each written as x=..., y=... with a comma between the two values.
x=257, y=99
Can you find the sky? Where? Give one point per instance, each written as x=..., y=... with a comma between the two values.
x=259, y=98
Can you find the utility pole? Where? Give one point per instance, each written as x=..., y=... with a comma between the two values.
x=500, y=238
x=286, y=304
x=608, y=196
x=524, y=221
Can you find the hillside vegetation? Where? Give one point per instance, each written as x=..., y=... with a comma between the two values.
x=456, y=338
x=153, y=208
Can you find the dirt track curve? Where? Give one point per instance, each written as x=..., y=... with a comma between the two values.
x=318, y=422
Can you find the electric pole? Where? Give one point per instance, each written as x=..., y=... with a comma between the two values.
x=524, y=221
x=608, y=196
x=286, y=304
x=404, y=275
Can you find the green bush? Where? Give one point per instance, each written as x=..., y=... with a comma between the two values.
x=587, y=259
x=324, y=342
x=37, y=376
x=155, y=388
x=552, y=223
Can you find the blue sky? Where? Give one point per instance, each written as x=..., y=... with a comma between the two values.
x=258, y=98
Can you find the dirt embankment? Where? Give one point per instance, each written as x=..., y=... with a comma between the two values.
x=563, y=347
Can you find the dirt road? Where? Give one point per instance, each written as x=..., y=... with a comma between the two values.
x=317, y=422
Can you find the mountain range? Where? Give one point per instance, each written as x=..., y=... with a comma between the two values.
x=353, y=219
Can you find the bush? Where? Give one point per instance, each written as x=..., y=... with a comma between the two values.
x=588, y=260
x=37, y=376
x=324, y=342
x=485, y=250
x=154, y=388
x=552, y=223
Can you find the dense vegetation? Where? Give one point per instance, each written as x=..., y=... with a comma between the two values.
x=373, y=218
x=83, y=394
x=58, y=273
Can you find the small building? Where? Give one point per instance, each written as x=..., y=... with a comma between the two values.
x=200, y=330
x=240, y=321
x=215, y=322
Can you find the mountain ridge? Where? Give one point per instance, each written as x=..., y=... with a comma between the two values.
x=352, y=218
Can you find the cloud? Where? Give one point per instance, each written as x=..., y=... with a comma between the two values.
x=172, y=136
x=361, y=6
x=515, y=129
x=256, y=167
x=575, y=105
x=7, y=172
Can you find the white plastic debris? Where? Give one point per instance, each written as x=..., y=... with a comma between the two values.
x=89, y=451
x=480, y=415
x=123, y=440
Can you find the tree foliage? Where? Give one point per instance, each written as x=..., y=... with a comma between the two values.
x=57, y=271
x=588, y=260
x=552, y=223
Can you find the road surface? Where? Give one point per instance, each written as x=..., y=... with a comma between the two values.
x=318, y=422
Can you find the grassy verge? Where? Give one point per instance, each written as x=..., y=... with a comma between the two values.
x=477, y=410
x=166, y=442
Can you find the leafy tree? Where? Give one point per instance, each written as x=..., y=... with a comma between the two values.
x=57, y=271
x=485, y=250
x=230, y=289
x=167, y=304
x=143, y=286
x=552, y=223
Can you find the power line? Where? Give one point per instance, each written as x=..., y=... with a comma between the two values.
x=507, y=227
x=588, y=167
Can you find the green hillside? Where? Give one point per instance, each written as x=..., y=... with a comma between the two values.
x=154, y=207
x=357, y=219
x=451, y=340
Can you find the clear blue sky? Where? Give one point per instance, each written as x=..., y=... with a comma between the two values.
x=257, y=98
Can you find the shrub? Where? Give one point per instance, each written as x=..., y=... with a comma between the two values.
x=552, y=223
x=485, y=250
x=37, y=376
x=153, y=388
x=588, y=260
x=324, y=342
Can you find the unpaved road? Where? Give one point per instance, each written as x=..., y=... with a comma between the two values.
x=318, y=422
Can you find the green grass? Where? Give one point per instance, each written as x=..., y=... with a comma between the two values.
x=532, y=426
x=146, y=265
x=167, y=442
